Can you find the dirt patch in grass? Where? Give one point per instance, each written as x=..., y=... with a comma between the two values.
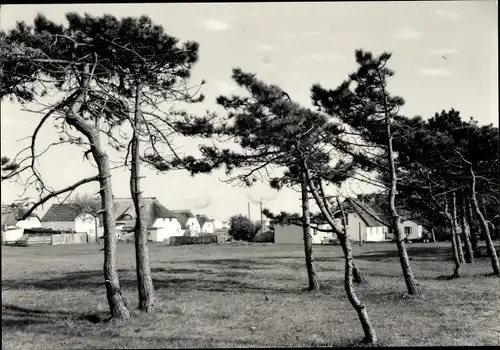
x=243, y=296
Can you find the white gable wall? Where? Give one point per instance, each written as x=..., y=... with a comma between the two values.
x=376, y=234
x=12, y=234
x=193, y=226
x=166, y=228
x=86, y=223
x=414, y=228
x=208, y=227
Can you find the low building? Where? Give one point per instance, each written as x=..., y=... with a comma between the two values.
x=13, y=229
x=189, y=223
x=69, y=217
x=294, y=234
x=368, y=220
x=206, y=224
x=160, y=222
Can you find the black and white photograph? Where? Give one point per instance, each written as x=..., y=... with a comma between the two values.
x=250, y=174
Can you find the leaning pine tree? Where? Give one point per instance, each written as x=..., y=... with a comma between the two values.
x=370, y=113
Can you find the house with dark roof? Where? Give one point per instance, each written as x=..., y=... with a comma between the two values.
x=69, y=217
x=189, y=223
x=368, y=219
x=13, y=229
x=206, y=224
x=160, y=222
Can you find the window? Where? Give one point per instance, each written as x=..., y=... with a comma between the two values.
x=407, y=231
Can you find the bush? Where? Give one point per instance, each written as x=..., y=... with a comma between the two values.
x=241, y=228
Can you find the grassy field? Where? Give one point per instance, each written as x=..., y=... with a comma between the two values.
x=53, y=297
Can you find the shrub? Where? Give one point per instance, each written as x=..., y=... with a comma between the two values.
x=241, y=228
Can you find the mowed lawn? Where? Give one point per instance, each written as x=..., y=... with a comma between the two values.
x=53, y=297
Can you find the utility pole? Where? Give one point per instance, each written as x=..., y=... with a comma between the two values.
x=359, y=231
x=260, y=202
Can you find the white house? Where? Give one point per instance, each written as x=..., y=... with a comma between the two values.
x=218, y=225
x=412, y=230
x=160, y=222
x=13, y=229
x=367, y=222
x=363, y=227
x=189, y=223
x=69, y=217
x=206, y=224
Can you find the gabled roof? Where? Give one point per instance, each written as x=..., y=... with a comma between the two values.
x=153, y=210
x=183, y=216
x=61, y=212
x=377, y=206
x=369, y=212
x=122, y=206
x=202, y=219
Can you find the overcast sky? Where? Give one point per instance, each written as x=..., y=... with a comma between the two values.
x=293, y=45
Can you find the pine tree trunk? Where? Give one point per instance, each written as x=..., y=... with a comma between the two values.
x=484, y=227
x=116, y=302
x=308, y=248
x=144, y=279
x=456, y=256
x=369, y=331
x=473, y=234
x=469, y=254
x=370, y=335
x=117, y=306
x=433, y=235
x=455, y=232
x=451, y=226
x=411, y=283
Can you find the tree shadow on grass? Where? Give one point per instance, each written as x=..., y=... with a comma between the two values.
x=413, y=252
x=247, y=264
x=183, y=271
x=14, y=316
x=90, y=281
